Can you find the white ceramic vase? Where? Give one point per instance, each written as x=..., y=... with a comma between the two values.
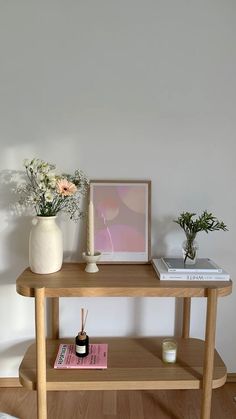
x=45, y=246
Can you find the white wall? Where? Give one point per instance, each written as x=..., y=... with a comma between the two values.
x=121, y=89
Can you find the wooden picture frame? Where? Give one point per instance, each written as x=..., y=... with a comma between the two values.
x=122, y=219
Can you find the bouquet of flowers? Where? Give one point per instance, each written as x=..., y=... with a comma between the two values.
x=49, y=193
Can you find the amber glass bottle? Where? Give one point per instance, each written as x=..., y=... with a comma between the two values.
x=82, y=344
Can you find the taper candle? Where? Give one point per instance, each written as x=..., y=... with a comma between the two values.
x=91, y=229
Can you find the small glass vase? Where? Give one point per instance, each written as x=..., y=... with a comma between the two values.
x=189, y=249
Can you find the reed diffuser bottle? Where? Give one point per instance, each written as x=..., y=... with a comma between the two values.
x=82, y=339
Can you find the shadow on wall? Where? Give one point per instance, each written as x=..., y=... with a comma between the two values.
x=15, y=226
x=137, y=321
x=163, y=228
x=74, y=238
x=14, y=230
x=12, y=350
x=13, y=353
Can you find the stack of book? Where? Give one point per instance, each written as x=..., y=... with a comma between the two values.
x=173, y=269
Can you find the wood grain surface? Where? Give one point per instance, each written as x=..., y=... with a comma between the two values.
x=113, y=281
x=133, y=363
x=148, y=404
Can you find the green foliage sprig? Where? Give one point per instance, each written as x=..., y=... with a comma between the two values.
x=205, y=222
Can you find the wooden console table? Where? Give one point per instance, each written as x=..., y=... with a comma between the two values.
x=133, y=363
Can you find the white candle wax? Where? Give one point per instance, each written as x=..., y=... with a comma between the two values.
x=169, y=350
x=91, y=229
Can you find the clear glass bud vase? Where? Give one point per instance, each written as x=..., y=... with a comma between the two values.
x=189, y=249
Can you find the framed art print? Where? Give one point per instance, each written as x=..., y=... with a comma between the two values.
x=121, y=220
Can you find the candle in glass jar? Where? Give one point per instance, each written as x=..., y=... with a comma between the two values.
x=169, y=350
x=91, y=229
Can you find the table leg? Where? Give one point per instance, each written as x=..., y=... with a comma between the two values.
x=209, y=353
x=40, y=353
x=186, y=317
x=55, y=317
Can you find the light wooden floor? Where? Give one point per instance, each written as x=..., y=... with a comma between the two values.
x=181, y=404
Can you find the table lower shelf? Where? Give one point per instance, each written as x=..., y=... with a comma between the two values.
x=133, y=364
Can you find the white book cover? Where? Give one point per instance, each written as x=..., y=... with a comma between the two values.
x=163, y=274
x=201, y=265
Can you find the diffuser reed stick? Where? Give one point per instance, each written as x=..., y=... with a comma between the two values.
x=84, y=316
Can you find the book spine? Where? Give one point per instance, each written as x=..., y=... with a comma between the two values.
x=187, y=270
x=194, y=277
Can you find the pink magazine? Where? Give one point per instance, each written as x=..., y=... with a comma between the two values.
x=97, y=357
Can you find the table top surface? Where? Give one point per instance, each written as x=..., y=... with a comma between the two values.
x=114, y=280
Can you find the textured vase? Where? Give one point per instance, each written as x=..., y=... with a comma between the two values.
x=45, y=246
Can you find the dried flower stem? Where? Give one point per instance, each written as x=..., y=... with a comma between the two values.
x=49, y=193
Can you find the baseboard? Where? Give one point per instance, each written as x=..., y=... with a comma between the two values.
x=231, y=377
x=10, y=382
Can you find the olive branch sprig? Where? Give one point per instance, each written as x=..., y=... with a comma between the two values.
x=205, y=222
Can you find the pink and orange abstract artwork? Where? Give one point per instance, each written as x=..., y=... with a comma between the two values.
x=121, y=220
